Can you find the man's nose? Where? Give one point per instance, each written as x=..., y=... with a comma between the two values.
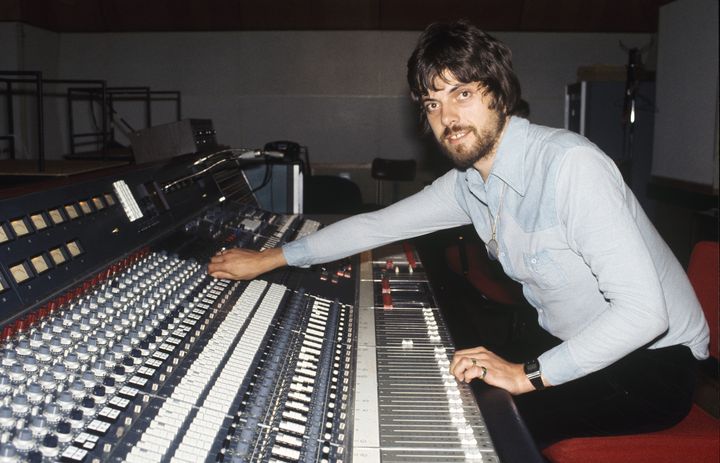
x=448, y=116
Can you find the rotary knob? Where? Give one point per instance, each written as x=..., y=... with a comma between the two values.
x=49, y=446
x=8, y=453
x=36, y=339
x=99, y=394
x=72, y=362
x=38, y=425
x=63, y=431
x=56, y=347
x=6, y=386
x=88, y=379
x=65, y=401
x=109, y=384
x=30, y=365
x=43, y=354
x=52, y=413
x=23, y=347
x=17, y=374
x=77, y=389
x=7, y=420
x=98, y=368
x=76, y=418
x=83, y=353
x=20, y=405
x=9, y=357
x=47, y=381
x=87, y=405
x=59, y=372
x=35, y=393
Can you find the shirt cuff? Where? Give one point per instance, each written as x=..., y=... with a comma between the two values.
x=558, y=365
x=296, y=253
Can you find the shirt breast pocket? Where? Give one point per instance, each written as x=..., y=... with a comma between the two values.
x=544, y=270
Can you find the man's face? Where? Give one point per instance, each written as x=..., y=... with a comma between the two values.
x=460, y=117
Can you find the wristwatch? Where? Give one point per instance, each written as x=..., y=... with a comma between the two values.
x=532, y=371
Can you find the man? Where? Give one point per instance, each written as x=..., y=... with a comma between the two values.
x=553, y=209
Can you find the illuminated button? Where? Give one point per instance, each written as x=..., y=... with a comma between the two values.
x=4, y=236
x=20, y=272
x=98, y=203
x=85, y=207
x=56, y=216
x=20, y=227
x=39, y=221
x=74, y=248
x=72, y=211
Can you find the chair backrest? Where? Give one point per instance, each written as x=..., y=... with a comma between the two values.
x=394, y=170
x=704, y=272
x=391, y=170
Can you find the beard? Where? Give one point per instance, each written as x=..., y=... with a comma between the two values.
x=464, y=157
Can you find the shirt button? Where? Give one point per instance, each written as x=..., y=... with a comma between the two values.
x=502, y=254
x=534, y=261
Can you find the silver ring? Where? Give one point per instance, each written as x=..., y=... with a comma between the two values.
x=483, y=372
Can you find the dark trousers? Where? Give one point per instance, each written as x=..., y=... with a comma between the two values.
x=648, y=390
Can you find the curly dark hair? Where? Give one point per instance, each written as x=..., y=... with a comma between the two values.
x=470, y=55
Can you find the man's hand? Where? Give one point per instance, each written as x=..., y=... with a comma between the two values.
x=479, y=362
x=244, y=264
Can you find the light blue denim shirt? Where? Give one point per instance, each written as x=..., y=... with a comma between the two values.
x=570, y=231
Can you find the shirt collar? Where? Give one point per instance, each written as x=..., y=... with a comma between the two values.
x=509, y=164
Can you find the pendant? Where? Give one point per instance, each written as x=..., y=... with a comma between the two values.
x=493, y=249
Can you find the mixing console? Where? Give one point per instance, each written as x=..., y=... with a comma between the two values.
x=117, y=345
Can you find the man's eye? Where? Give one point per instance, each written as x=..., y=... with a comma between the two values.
x=464, y=94
x=430, y=107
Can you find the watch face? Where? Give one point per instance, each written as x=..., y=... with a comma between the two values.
x=532, y=366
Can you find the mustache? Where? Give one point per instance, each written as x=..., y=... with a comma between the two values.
x=457, y=128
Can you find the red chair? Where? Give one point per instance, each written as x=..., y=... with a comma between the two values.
x=695, y=439
x=469, y=259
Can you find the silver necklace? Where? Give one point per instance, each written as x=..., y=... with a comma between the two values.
x=493, y=247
